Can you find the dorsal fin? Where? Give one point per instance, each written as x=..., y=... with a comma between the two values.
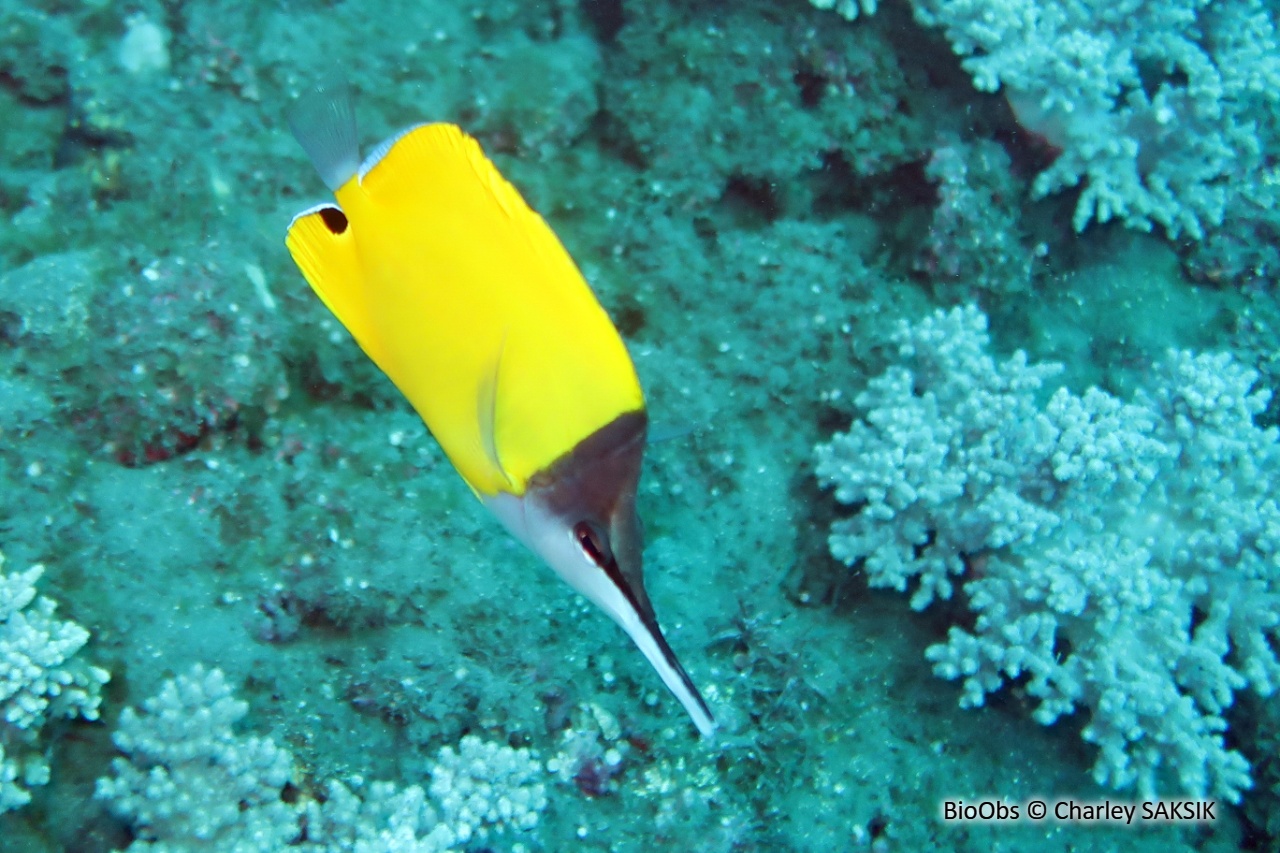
x=323, y=121
x=446, y=146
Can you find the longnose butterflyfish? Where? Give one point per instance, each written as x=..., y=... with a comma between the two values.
x=467, y=300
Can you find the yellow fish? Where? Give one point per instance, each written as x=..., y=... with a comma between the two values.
x=466, y=299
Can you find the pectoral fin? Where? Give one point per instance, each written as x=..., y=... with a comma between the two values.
x=487, y=402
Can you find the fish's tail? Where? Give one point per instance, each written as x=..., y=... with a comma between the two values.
x=323, y=120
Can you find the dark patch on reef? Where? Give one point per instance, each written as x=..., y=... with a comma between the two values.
x=606, y=17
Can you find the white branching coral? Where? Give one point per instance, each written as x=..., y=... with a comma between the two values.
x=189, y=781
x=484, y=786
x=377, y=817
x=40, y=679
x=1123, y=558
x=847, y=9
x=1161, y=110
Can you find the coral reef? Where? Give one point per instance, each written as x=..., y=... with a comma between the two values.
x=485, y=787
x=1120, y=558
x=975, y=243
x=190, y=781
x=1162, y=111
x=40, y=680
x=798, y=100
x=847, y=9
x=375, y=817
x=210, y=469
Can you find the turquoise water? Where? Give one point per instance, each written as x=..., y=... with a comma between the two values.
x=211, y=472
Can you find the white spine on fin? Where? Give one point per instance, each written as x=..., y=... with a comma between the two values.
x=375, y=156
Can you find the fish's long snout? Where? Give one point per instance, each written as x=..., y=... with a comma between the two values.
x=584, y=556
x=626, y=572
x=649, y=638
x=613, y=579
x=580, y=518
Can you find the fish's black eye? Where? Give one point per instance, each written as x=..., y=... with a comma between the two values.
x=334, y=219
x=593, y=543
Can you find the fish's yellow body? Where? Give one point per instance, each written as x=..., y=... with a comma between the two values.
x=468, y=301
x=470, y=304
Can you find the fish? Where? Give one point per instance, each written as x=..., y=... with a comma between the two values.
x=466, y=299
